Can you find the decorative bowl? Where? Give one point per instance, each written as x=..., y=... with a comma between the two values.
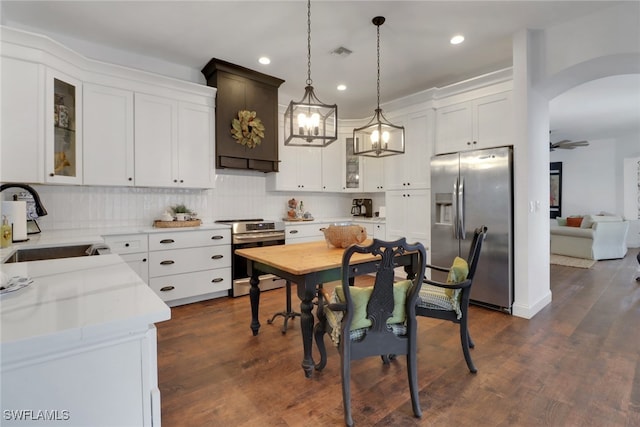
x=344, y=235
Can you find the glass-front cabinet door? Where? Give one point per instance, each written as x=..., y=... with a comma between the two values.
x=63, y=134
x=353, y=168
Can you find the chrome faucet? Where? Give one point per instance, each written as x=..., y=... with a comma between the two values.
x=40, y=210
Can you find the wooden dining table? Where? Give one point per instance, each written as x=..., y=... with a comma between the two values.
x=308, y=265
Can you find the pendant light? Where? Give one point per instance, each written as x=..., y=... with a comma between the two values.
x=309, y=122
x=378, y=138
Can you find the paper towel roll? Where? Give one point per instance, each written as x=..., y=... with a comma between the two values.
x=16, y=213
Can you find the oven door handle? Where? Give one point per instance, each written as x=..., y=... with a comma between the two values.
x=258, y=238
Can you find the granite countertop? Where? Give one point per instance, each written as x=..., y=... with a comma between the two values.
x=71, y=302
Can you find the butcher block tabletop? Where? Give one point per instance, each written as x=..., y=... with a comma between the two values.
x=302, y=258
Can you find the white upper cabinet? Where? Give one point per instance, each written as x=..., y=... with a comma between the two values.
x=300, y=168
x=67, y=119
x=63, y=128
x=411, y=169
x=156, y=141
x=173, y=143
x=22, y=150
x=478, y=123
x=373, y=174
x=108, y=136
x=332, y=166
x=196, y=155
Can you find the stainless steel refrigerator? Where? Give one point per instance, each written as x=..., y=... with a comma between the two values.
x=470, y=189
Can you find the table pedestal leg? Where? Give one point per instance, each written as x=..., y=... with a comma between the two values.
x=254, y=296
x=306, y=325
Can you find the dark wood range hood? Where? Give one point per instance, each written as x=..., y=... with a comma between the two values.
x=240, y=88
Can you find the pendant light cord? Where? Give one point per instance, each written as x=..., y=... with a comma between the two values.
x=378, y=52
x=309, y=81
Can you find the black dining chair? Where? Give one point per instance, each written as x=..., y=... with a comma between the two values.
x=373, y=321
x=450, y=301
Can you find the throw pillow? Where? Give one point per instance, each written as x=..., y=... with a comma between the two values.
x=574, y=221
x=457, y=274
x=360, y=297
x=587, y=221
x=561, y=221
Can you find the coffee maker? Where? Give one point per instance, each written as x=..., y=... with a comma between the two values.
x=362, y=207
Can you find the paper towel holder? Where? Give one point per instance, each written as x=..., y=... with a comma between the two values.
x=32, y=225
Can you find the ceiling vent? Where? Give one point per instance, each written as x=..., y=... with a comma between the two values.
x=341, y=51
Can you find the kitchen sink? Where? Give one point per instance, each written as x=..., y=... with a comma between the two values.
x=37, y=254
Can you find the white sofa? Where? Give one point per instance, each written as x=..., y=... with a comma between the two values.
x=597, y=237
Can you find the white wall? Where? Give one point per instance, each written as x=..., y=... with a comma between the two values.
x=593, y=181
x=547, y=63
x=589, y=178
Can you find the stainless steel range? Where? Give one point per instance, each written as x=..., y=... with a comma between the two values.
x=251, y=233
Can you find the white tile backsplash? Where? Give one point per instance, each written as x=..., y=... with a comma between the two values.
x=238, y=194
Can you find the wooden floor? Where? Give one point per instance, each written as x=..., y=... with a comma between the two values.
x=576, y=363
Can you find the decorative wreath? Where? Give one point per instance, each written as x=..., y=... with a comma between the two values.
x=247, y=129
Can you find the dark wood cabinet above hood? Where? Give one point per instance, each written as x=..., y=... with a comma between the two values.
x=239, y=89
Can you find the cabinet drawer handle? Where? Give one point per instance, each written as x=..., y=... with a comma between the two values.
x=144, y=260
x=167, y=288
x=167, y=262
x=293, y=232
x=217, y=280
x=126, y=245
x=217, y=257
x=167, y=241
x=217, y=237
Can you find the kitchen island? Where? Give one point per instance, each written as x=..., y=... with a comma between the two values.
x=78, y=345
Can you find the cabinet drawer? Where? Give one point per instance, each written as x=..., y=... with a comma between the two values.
x=191, y=284
x=162, y=263
x=127, y=243
x=189, y=239
x=309, y=232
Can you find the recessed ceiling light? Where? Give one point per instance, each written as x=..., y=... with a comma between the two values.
x=342, y=87
x=457, y=39
x=264, y=60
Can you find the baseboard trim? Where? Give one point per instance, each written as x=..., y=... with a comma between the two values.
x=527, y=312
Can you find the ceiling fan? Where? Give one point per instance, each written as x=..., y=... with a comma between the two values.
x=567, y=144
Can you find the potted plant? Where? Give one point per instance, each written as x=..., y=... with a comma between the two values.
x=180, y=212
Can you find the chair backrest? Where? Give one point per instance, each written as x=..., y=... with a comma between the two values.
x=381, y=303
x=479, y=235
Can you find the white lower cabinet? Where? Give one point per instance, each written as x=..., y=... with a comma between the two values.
x=380, y=231
x=110, y=382
x=375, y=230
x=189, y=266
x=408, y=215
x=133, y=249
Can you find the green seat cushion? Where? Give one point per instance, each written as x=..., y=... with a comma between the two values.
x=360, y=297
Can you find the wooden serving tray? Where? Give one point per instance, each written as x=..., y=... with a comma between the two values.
x=174, y=224
x=296, y=219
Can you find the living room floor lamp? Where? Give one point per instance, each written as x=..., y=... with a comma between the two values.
x=309, y=122
x=379, y=137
